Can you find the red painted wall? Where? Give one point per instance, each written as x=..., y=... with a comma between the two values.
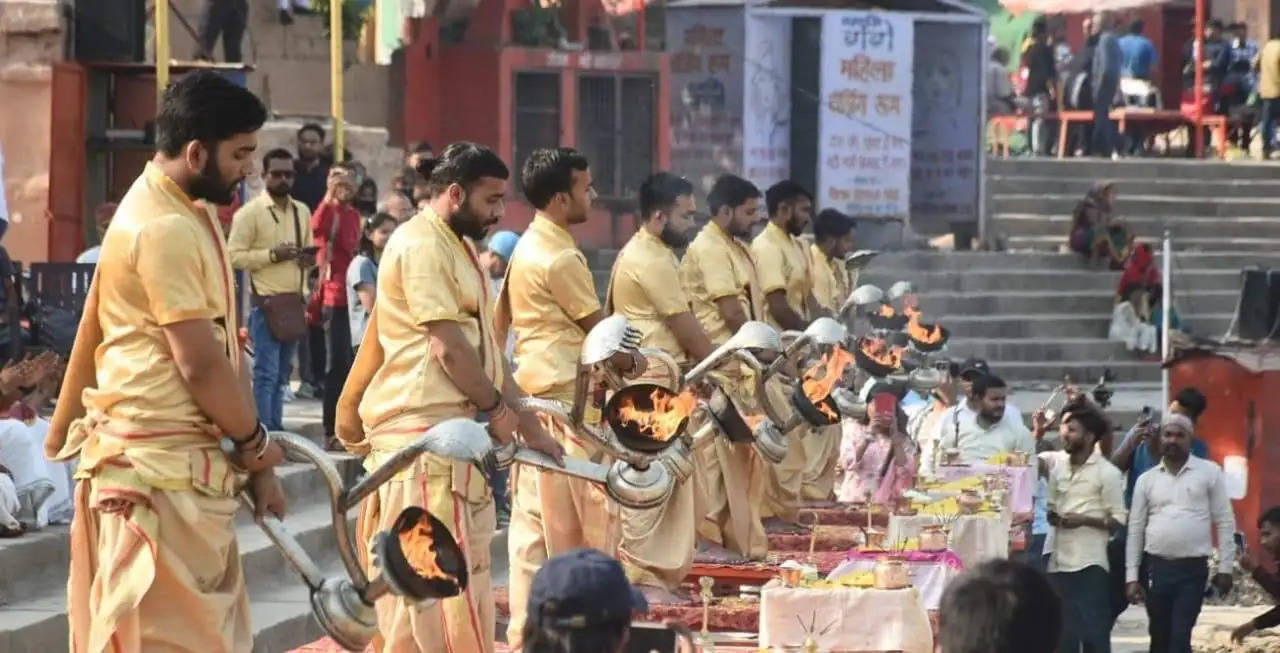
x=1242, y=419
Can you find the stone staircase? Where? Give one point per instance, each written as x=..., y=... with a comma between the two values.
x=33, y=573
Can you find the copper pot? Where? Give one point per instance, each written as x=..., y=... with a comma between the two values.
x=970, y=502
x=875, y=538
x=993, y=481
x=891, y=574
x=933, y=539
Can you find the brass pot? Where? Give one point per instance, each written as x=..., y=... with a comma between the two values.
x=933, y=539
x=970, y=502
x=891, y=574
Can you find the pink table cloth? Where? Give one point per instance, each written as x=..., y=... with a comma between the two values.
x=1022, y=481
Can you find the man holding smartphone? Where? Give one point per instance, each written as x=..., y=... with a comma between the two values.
x=271, y=239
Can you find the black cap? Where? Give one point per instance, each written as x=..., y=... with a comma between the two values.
x=974, y=366
x=582, y=588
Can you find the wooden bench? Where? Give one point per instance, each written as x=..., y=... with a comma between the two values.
x=58, y=288
x=1124, y=116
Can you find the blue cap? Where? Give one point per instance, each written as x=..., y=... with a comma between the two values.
x=582, y=588
x=503, y=243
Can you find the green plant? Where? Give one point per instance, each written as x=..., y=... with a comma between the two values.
x=354, y=15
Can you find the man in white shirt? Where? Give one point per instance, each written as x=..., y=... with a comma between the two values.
x=985, y=430
x=1170, y=538
x=1085, y=505
x=965, y=408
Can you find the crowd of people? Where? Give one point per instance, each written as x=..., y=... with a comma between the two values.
x=424, y=315
x=1119, y=67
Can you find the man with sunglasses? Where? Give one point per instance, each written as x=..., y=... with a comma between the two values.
x=271, y=239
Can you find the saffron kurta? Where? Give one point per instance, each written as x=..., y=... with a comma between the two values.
x=548, y=288
x=154, y=562
x=830, y=285
x=428, y=274
x=783, y=265
x=657, y=545
x=714, y=267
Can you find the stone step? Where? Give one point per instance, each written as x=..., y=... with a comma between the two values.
x=1082, y=372
x=948, y=304
x=1024, y=261
x=1098, y=169
x=34, y=568
x=1139, y=205
x=1047, y=325
x=1047, y=281
x=1147, y=228
x=1207, y=188
x=1207, y=244
x=1038, y=349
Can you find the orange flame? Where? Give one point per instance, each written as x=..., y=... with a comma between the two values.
x=663, y=422
x=878, y=351
x=917, y=331
x=820, y=379
x=886, y=311
x=753, y=420
x=419, y=550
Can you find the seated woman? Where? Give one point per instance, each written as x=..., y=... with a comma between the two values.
x=1140, y=273
x=1128, y=326
x=878, y=459
x=1096, y=233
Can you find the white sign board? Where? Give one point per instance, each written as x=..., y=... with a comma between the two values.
x=766, y=114
x=864, y=147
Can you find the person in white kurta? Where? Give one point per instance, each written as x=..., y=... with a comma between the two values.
x=43, y=487
x=1128, y=328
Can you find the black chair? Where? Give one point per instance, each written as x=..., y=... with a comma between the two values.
x=59, y=291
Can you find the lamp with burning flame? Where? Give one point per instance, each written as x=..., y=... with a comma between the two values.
x=662, y=422
x=880, y=352
x=886, y=311
x=917, y=331
x=819, y=380
x=418, y=546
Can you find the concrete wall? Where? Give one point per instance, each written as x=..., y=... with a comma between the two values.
x=291, y=65
x=30, y=42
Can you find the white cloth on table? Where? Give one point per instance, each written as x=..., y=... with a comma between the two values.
x=929, y=578
x=43, y=486
x=845, y=619
x=975, y=538
x=1128, y=328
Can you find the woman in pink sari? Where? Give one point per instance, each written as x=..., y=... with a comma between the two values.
x=878, y=458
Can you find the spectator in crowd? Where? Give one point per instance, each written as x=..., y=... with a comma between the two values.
x=985, y=431
x=999, y=606
x=1177, y=507
x=366, y=201
x=41, y=488
x=1241, y=50
x=416, y=153
x=1129, y=326
x=1269, y=539
x=1216, y=59
x=880, y=464
x=1269, y=93
x=581, y=601
x=335, y=228
x=1138, y=52
x=1085, y=505
x=1042, y=85
x=403, y=183
x=271, y=239
x=1078, y=91
x=290, y=7
x=1000, y=95
x=1096, y=232
x=496, y=255
x=397, y=205
x=965, y=407
x=310, y=171
x=362, y=274
x=226, y=18
x=102, y=219
x=1105, y=79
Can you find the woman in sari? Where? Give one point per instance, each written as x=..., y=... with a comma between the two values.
x=1096, y=233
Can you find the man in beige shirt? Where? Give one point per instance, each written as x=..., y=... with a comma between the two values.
x=1085, y=505
x=549, y=301
x=783, y=267
x=271, y=238
x=658, y=545
x=430, y=353
x=718, y=274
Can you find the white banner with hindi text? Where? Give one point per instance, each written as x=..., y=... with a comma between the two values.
x=766, y=112
x=864, y=148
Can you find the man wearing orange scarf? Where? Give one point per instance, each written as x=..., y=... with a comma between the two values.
x=429, y=354
x=155, y=381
